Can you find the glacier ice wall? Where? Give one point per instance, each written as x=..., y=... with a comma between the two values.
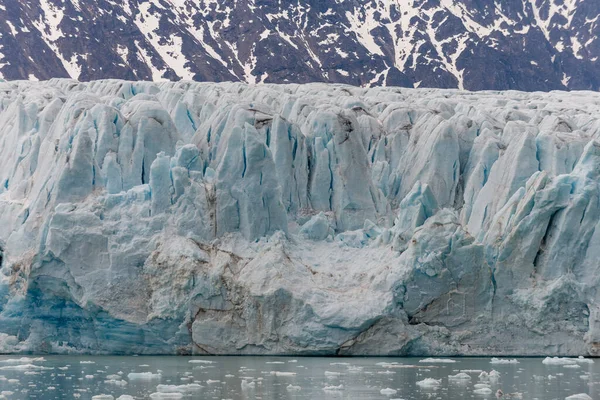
x=178, y=218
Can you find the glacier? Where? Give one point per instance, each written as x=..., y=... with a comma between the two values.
x=204, y=218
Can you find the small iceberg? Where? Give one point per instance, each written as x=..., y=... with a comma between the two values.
x=461, y=376
x=429, y=383
x=281, y=373
x=504, y=361
x=437, y=361
x=143, y=376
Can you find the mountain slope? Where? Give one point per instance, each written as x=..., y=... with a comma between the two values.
x=471, y=44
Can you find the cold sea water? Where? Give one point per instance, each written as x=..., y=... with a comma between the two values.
x=266, y=378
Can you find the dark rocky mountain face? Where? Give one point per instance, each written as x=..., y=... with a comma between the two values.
x=471, y=44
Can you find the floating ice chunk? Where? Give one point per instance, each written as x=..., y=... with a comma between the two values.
x=504, y=361
x=437, y=361
x=292, y=388
x=248, y=385
x=281, y=373
x=89, y=377
x=87, y=362
x=143, y=376
x=340, y=363
x=388, y=391
x=557, y=361
x=201, y=362
x=481, y=386
x=274, y=362
x=566, y=361
x=333, y=388
x=165, y=396
x=492, y=375
x=580, y=396
x=386, y=372
x=583, y=360
x=125, y=397
x=331, y=373
x=461, y=376
x=24, y=367
x=430, y=382
x=572, y=366
x=116, y=382
x=212, y=381
x=483, y=391
x=103, y=397
x=23, y=360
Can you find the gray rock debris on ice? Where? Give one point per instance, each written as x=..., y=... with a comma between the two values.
x=178, y=218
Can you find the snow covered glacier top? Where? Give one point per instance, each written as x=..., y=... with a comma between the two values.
x=306, y=219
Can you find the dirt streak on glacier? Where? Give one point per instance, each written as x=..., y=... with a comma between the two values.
x=180, y=218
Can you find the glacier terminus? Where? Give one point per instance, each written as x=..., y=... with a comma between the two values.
x=315, y=219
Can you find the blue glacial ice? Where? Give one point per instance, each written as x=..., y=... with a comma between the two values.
x=200, y=218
